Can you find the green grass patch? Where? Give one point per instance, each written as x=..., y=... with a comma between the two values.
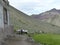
x=47, y=39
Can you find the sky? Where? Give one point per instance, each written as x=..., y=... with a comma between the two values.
x=35, y=6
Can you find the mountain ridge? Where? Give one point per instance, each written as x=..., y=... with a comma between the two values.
x=21, y=20
x=52, y=16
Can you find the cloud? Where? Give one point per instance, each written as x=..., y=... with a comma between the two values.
x=35, y=6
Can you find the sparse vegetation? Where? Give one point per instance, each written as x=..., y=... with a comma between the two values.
x=21, y=20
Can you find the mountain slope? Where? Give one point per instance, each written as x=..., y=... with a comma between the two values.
x=52, y=16
x=21, y=20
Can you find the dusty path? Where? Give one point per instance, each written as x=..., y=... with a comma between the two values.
x=22, y=41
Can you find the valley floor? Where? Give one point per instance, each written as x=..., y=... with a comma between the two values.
x=47, y=39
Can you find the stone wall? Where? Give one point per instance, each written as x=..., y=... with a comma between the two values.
x=8, y=30
x=1, y=34
x=1, y=16
x=4, y=32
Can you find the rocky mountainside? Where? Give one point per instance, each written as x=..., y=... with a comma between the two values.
x=21, y=20
x=52, y=16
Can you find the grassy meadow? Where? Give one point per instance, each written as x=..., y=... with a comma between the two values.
x=47, y=39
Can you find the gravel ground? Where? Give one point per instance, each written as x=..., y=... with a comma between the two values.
x=20, y=40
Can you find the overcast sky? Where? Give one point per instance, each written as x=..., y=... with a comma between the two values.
x=35, y=6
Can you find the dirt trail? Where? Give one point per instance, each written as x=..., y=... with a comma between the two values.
x=22, y=41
